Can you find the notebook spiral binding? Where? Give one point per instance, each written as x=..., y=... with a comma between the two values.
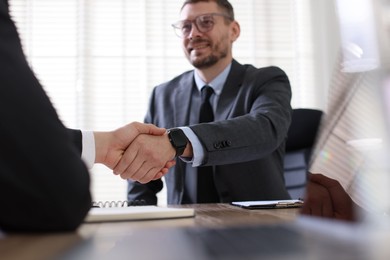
x=118, y=203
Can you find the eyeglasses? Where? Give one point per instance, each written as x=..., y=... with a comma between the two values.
x=204, y=23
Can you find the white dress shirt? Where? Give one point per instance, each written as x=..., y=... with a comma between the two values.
x=88, y=148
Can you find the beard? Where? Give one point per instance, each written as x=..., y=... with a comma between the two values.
x=218, y=52
x=207, y=61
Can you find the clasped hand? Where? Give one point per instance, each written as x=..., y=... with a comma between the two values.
x=141, y=152
x=325, y=197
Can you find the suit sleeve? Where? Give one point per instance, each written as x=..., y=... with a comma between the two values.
x=44, y=185
x=76, y=138
x=259, y=123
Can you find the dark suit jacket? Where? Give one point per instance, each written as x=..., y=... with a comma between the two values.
x=246, y=142
x=44, y=185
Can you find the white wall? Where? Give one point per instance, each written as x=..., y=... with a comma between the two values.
x=326, y=39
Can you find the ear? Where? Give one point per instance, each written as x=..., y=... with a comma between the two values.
x=235, y=31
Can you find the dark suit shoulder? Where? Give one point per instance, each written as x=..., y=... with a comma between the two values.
x=266, y=72
x=249, y=73
x=4, y=8
x=177, y=81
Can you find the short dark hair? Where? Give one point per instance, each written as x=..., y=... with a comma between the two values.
x=224, y=4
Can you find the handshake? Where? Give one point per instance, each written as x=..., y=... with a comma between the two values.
x=141, y=152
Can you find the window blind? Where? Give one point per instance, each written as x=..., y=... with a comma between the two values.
x=99, y=59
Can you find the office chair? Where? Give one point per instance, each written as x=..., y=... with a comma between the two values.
x=301, y=137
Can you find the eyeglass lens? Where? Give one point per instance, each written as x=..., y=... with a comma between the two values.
x=203, y=23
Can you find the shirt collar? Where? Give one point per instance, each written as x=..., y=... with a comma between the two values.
x=217, y=83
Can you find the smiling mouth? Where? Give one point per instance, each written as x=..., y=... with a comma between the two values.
x=198, y=47
x=198, y=44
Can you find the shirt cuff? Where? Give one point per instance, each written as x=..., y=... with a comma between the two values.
x=88, y=153
x=197, y=148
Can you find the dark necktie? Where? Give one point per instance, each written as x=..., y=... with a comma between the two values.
x=206, y=192
x=206, y=113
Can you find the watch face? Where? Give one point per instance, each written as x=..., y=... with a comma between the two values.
x=178, y=140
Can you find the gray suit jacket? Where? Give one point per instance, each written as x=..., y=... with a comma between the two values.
x=246, y=142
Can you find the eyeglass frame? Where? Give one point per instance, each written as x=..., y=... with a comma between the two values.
x=178, y=29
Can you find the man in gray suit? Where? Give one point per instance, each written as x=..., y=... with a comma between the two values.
x=242, y=147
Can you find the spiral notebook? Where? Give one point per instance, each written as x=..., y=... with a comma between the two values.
x=119, y=211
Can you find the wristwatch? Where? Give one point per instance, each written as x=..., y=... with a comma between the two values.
x=178, y=140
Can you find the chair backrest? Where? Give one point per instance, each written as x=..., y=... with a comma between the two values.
x=300, y=140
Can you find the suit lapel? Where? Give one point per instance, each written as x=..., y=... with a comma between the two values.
x=230, y=91
x=183, y=100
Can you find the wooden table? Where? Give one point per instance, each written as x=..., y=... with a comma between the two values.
x=48, y=246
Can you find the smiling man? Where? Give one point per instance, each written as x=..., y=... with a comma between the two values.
x=228, y=122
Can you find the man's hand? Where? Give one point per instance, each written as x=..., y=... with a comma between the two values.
x=145, y=157
x=325, y=197
x=111, y=146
